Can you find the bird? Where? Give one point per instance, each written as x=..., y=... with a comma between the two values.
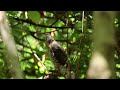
x=57, y=52
x=60, y=58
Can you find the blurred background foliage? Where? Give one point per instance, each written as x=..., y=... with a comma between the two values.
x=72, y=29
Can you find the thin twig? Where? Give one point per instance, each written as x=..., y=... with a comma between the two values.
x=80, y=44
x=82, y=20
x=36, y=56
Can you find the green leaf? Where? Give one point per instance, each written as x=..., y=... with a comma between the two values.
x=34, y=16
x=78, y=25
x=61, y=77
x=118, y=65
x=36, y=67
x=50, y=21
x=42, y=70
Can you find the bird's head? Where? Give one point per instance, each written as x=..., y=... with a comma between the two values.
x=49, y=38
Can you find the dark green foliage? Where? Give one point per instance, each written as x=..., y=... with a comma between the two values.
x=29, y=34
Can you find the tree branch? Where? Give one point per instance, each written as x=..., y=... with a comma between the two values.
x=30, y=22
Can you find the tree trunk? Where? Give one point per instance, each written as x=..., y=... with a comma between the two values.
x=102, y=62
x=12, y=60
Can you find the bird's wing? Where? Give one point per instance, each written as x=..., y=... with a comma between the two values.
x=59, y=53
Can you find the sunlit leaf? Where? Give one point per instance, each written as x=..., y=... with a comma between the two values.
x=34, y=16
x=118, y=65
x=61, y=77
x=42, y=70
x=36, y=67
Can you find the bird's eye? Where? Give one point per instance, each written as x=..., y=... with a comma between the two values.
x=50, y=41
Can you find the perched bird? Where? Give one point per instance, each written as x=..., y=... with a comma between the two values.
x=58, y=54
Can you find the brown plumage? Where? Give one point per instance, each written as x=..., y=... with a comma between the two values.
x=58, y=54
